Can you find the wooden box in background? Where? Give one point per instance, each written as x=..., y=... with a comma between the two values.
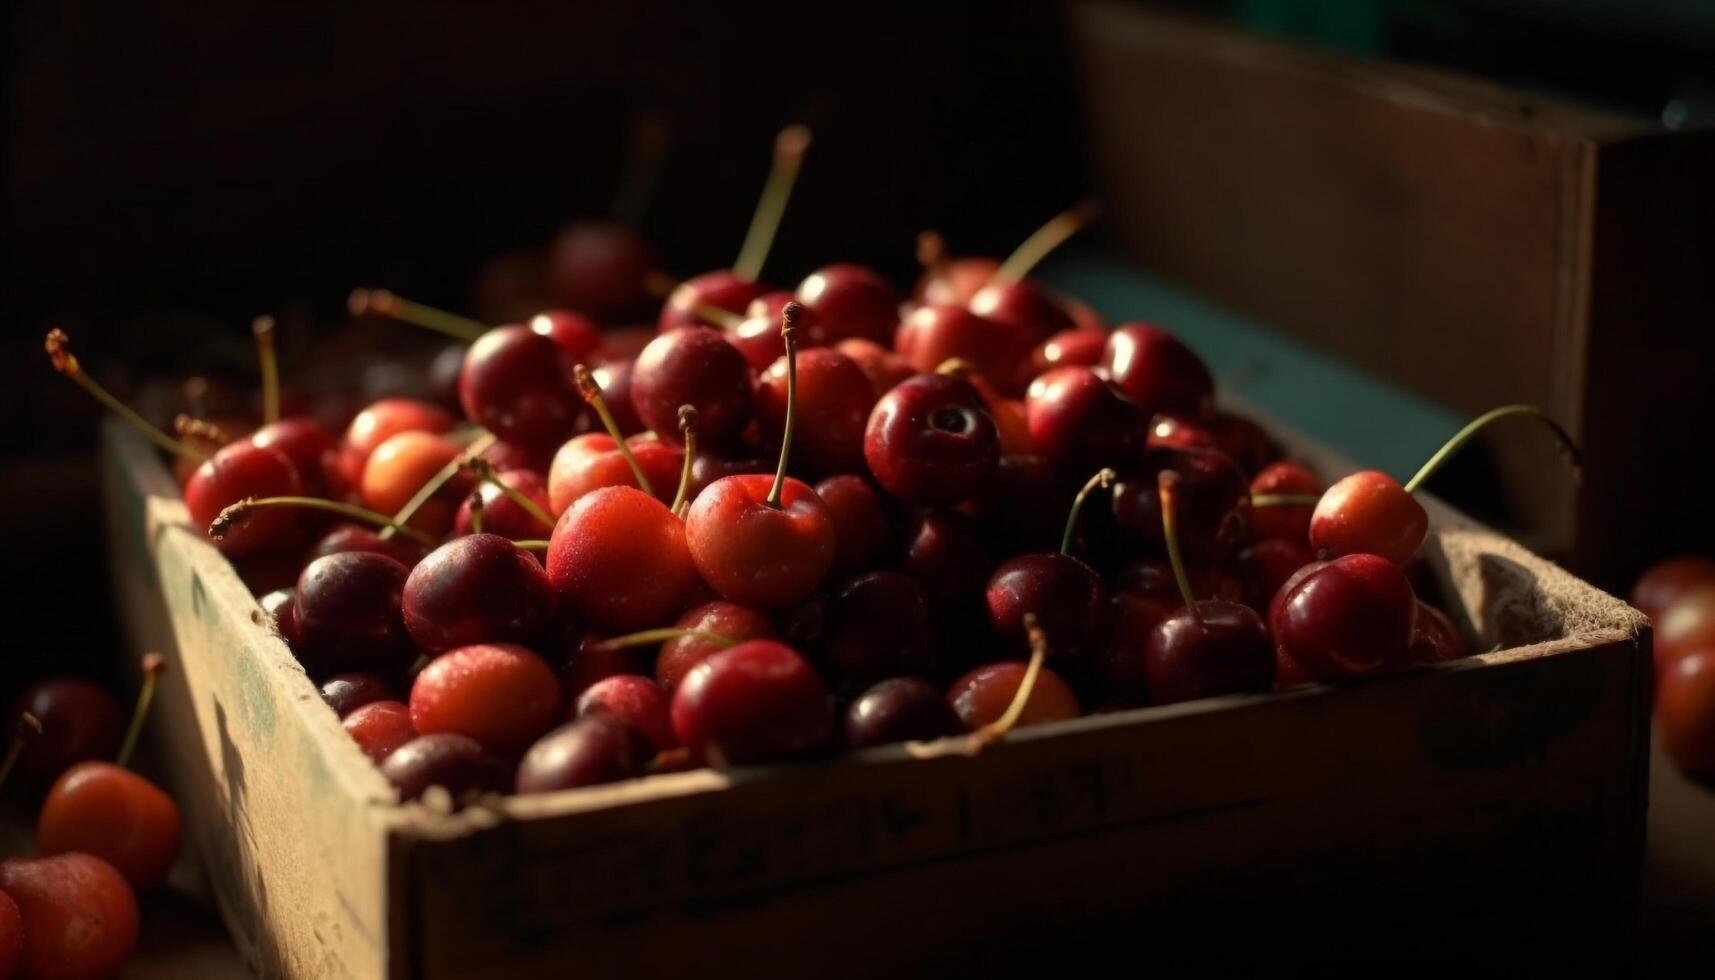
x=1476, y=243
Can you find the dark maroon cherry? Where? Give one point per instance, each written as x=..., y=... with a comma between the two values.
x=1157, y=371
x=1213, y=500
x=832, y=410
x=1122, y=664
x=931, y=440
x=1026, y=305
x=313, y=450
x=946, y=553
x=851, y=300
x=1079, y=420
x=1247, y=443
x=348, y=614
x=345, y=693
x=281, y=610
x=1021, y=507
x=1215, y=647
x=878, y=628
x=517, y=384
x=721, y=289
x=456, y=763
x=692, y=366
x=345, y=537
x=589, y=751
x=501, y=514
x=753, y=703
x=80, y=723
x=1346, y=618
x=479, y=588
x=900, y=709
x=614, y=377
x=1434, y=638
x=600, y=268
x=863, y=538
x=1065, y=594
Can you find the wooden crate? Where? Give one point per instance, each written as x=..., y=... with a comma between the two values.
x=1447, y=813
x=1479, y=244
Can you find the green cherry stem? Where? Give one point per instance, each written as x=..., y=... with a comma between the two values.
x=29, y=726
x=1568, y=447
x=65, y=362
x=484, y=471
x=789, y=149
x=788, y=334
x=268, y=361
x=591, y=392
x=645, y=638
x=234, y=513
x=153, y=667
x=1168, y=483
x=996, y=730
x=1286, y=500
x=688, y=436
x=1103, y=479
x=1045, y=240
x=532, y=544
x=481, y=444
x=384, y=303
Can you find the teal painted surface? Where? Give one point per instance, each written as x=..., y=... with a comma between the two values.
x=1365, y=418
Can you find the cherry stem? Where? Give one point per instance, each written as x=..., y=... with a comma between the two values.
x=789, y=335
x=1103, y=479
x=651, y=133
x=476, y=508
x=532, y=544
x=958, y=367
x=234, y=513
x=65, y=362
x=591, y=393
x=384, y=303
x=687, y=435
x=1568, y=446
x=996, y=730
x=191, y=430
x=29, y=726
x=931, y=252
x=484, y=471
x=154, y=665
x=269, y=363
x=1286, y=499
x=481, y=444
x=1168, y=482
x=789, y=149
x=1045, y=240
x=645, y=638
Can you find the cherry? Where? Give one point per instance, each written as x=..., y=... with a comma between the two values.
x=1283, y=519
x=1687, y=623
x=11, y=935
x=363, y=302
x=517, y=383
x=510, y=456
x=1213, y=502
x=401, y=467
x=930, y=335
x=1434, y=638
x=1664, y=582
x=756, y=702
x=760, y=541
x=347, y=610
x=584, y=658
x=79, y=916
x=693, y=640
x=502, y=695
x=851, y=300
x=757, y=335
x=312, y=450
x=696, y=367
x=1122, y=663
x=884, y=368
x=236, y=472
x=381, y=421
x=345, y=693
x=1020, y=507
x=930, y=440
x=1247, y=443
x=618, y=560
x=949, y=280
x=501, y=513
x=587, y=751
x=863, y=538
x=1685, y=712
x=479, y=588
x=946, y=552
x=578, y=337
x=1156, y=371
x=1346, y=618
x=709, y=465
x=347, y=536
x=879, y=627
x=613, y=376
x=1079, y=420
x=456, y=763
x=108, y=811
x=1177, y=430
x=1063, y=594
x=1077, y=347
x=1266, y=566
x=600, y=268
x=712, y=300
x=1372, y=513
x=79, y=722
x=983, y=696
x=833, y=406
x=595, y=460
x=1025, y=305
x=633, y=700
x=899, y=709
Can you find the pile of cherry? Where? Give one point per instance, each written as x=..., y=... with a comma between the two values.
x=1678, y=595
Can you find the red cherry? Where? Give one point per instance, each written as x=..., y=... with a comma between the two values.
x=833, y=406
x=345, y=693
x=381, y=421
x=756, y=702
x=1077, y=347
x=114, y=814
x=79, y=916
x=511, y=456
x=1434, y=638
x=583, y=658
x=347, y=611
x=1665, y=581
x=312, y=450
x=80, y=722
x=863, y=538
x=719, y=618
x=354, y=537
x=756, y=548
x=1157, y=371
x=1079, y=420
x=600, y=268
x=399, y=468
x=900, y=709
x=1025, y=305
x=884, y=368
x=479, y=588
x=1289, y=521
x=517, y=384
x=1176, y=430
x=502, y=695
x=878, y=627
x=697, y=367
x=1267, y=564
x=946, y=552
x=577, y=336
x=1346, y=618
x=1685, y=712
x=11, y=935
x=587, y=751
x=1687, y=623
x=931, y=335
x=1020, y=509
x=592, y=461
x=1247, y=443
x=1214, y=501
x=618, y=561
x=510, y=285
x=1122, y=663
x=982, y=696
x=850, y=300
x=456, y=763
x=632, y=700
x=946, y=279
x=930, y=440
x=692, y=300
x=1065, y=594
x=1214, y=648
x=501, y=514
x=1369, y=512
x=236, y=472
x=757, y=336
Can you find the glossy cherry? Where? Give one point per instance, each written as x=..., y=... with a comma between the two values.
x=1434, y=638
x=632, y=700
x=1665, y=581
x=1687, y=623
x=502, y=695
x=1283, y=520
x=238, y=471
x=931, y=335
x=1156, y=371
x=517, y=384
x=697, y=367
x=899, y=709
x=1062, y=593
x=1078, y=347
x=578, y=337
x=1024, y=304
x=381, y=421
x=401, y=466
x=479, y=588
x=1213, y=495
x=600, y=268
x=850, y=300
x=347, y=610
x=693, y=645
x=930, y=440
x=618, y=561
x=379, y=727
x=593, y=460
x=833, y=405
x=982, y=696
x=503, y=515
x=313, y=451
x=757, y=336
x=878, y=627
x=753, y=703
x=1266, y=565
x=947, y=279
x=582, y=658
x=692, y=302
x=456, y=763
x=347, y=536
x=863, y=536
x=1685, y=712
x=587, y=751
x=1178, y=430
x=79, y=916
x=79, y=720
x=1346, y=618
x=881, y=365
x=345, y=693
x=1079, y=420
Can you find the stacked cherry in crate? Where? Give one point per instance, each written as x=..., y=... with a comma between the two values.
x=909, y=547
